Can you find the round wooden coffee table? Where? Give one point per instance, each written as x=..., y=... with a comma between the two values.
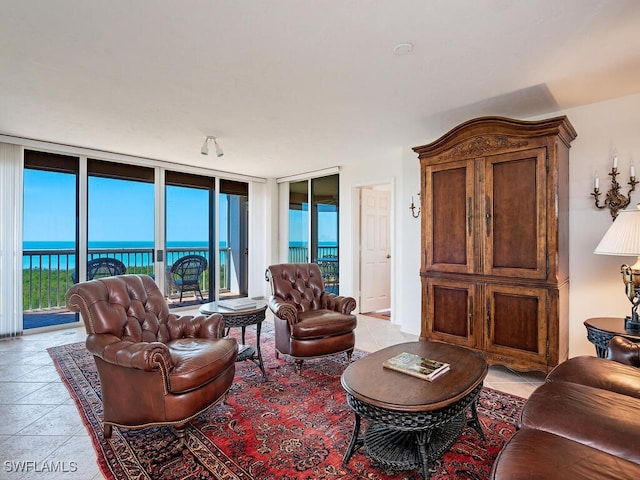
x=412, y=422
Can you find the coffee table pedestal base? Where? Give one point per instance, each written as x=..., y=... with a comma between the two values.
x=402, y=450
x=405, y=440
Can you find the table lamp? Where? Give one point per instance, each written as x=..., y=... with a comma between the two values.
x=623, y=239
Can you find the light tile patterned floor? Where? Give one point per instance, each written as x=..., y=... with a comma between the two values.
x=40, y=424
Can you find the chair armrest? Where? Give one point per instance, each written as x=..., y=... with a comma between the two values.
x=337, y=303
x=148, y=356
x=199, y=326
x=284, y=310
x=624, y=351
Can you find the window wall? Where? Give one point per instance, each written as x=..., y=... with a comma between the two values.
x=78, y=209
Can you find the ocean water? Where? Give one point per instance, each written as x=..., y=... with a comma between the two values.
x=70, y=245
x=62, y=254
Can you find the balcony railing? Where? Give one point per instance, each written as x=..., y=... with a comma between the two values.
x=327, y=260
x=48, y=274
x=298, y=254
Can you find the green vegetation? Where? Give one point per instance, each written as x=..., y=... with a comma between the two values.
x=44, y=288
x=48, y=288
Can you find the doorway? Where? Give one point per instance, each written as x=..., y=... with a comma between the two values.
x=375, y=251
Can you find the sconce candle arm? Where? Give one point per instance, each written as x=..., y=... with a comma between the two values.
x=614, y=200
x=413, y=208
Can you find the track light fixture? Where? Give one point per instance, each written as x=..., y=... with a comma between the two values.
x=205, y=146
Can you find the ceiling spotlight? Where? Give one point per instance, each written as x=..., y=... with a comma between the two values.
x=205, y=146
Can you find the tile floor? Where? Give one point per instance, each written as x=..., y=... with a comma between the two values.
x=40, y=425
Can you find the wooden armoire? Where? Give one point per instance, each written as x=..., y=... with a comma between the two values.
x=495, y=239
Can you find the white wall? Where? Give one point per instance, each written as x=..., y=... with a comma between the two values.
x=596, y=284
x=409, y=300
x=401, y=172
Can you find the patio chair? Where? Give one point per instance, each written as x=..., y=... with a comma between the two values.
x=329, y=268
x=102, y=267
x=184, y=274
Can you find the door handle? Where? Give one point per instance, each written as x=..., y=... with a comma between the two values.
x=388, y=256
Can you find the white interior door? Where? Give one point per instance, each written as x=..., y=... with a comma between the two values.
x=375, y=250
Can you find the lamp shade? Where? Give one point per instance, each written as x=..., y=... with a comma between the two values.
x=623, y=236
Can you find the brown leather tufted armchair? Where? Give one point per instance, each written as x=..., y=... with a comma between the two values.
x=155, y=368
x=309, y=322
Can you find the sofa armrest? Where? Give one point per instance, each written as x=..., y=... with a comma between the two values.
x=624, y=351
x=148, y=356
x=284, y=310
x=199, y=326
x=337, y=303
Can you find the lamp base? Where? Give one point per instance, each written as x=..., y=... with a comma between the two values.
x=631, y=324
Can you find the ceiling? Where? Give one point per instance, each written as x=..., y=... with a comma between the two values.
x=293, y=86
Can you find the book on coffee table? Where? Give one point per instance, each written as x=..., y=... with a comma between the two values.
x=420, y=367
x=237, y=303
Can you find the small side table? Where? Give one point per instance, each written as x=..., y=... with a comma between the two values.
x=242, y=318
x=602, y=329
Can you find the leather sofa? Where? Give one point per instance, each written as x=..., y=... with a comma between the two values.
x=582, y=423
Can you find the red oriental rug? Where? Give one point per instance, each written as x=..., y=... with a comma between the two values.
x=289, y=427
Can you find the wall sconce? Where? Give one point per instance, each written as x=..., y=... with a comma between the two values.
x=614, y=200
x=413, y=208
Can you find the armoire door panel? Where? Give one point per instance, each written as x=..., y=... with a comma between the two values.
x=515, y=214
x=450, y=310
x=517, y=320
x=448, y=216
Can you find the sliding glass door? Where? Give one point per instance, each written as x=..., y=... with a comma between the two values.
x=313, y=233
x=120, y=219
x=299, y=222
x=234, y=238
x=324, y=228
x=50, y=237
x=189, y=232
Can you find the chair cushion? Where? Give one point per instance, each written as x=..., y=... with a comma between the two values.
x=599, y=373
x=197, y=361
x=533, y=454
x=322, y=323
x=585, y=415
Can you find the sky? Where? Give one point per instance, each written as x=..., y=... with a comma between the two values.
x=49, y=212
